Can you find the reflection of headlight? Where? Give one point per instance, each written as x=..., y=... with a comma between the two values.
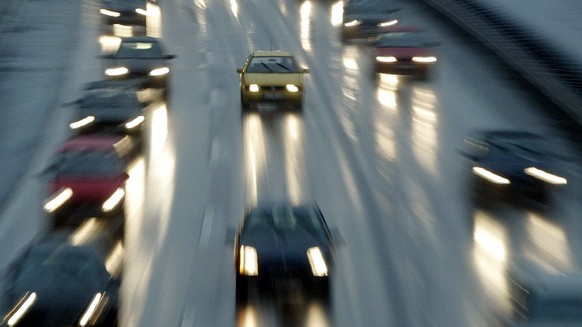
x=353, y=23
x=388, y=23
x=113, y=200
x=497, y=179
x=249, y=262
x=253, y=88
x=292, y=88
x=545, y=176
x=82, y=122
x=23, y=306
x=317, y=262
x=424, y=59
x=160, y=71
x=386, y=59
x=109, y=13
x=134, y=122
x=141, y=11
x=116, y=71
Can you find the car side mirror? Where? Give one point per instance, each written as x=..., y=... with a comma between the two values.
x=239, y=70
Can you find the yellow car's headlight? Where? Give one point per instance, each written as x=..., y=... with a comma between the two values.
x=292, y=88
x=386, y=59
x=254, y=88
x=317, y=262
x=160, y=71
x=116, y=71
x=249, y=261
x=424, y=59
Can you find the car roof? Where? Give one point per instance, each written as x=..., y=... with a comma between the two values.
x=271, y=53
x=91, y=142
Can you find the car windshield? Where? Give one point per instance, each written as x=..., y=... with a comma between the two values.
x=525, y=145
x=139, y=50
x=272, y=65
x=286, y=220
x=89, y=163
x=404, y=39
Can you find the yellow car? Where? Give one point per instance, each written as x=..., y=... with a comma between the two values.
x=271, y=77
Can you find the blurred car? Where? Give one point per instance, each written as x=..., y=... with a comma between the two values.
x=89, y=172
x=59, y=282
x=522, y=163
x=124, y=12
x=545, y=297
x=406, y=50
x=365, y=18
x=279, y=244
x=110, y=106
x=141, y=57
x=271, y=77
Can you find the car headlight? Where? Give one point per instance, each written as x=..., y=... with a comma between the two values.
x=82, y=122
x=160, y=71
x=424, y=59
x=254, y=88
x=545, y=176
x=21, y=309
x=388, y=23
x=116, y=71
x=113, y=200
x=317, y=262
x=109, y=13
x=292, y=88
x=134, y=122
x=249, y=261
x=386, y=59
x=490, y=176
x=353, y=23
x=58, y=199
x=141, y=11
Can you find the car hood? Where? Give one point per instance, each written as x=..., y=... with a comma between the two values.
x=273, y=79
x=280, y=243
x=110, y=114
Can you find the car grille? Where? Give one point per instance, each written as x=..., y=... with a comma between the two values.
x=275, y=88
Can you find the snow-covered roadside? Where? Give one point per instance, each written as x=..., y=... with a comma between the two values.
x=38, y=58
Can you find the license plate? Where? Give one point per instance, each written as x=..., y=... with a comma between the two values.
x=273, y=96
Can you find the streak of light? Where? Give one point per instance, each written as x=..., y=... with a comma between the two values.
x=248, y=317
x=154, y=20
x=316, y=316
x=389, y=81
x=293, y=158
x=84, y=232
x=122, y=30
x=234, y=8
x=254, y=152
x=91, y=310
x=305, y=25
x=337, y=13
x=424, y=128
x=490, y=256
x=109, y=43
x=113, y=200
x=114, y=260
x=200, y=4
x=549, y=244
x=58, y=199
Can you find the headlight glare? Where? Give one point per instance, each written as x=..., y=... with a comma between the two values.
x=160, y=71
x=386, y=59
x=292, y=88
x=134, y=122
x=113, y=200
x=424, y=59
x=141, y=11
x=353, y=23
x=82, y=122
x=545, y=176
x=116, y=71
x=249, y=261
x=388, y=23
x=317, y=262
x=490, y=176
x=109, y=13
x=253, y=88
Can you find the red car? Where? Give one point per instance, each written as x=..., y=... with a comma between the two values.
x=404, y=50
x=90, y=171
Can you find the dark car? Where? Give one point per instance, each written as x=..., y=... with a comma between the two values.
x=64, y=282
x=141, y=57
x=89, y=172
x=277, y=244
x=519, y=163
x=124, y=12
x=366, y=18
x=406, y=50
x=110, y=106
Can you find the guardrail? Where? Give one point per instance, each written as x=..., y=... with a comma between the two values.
x=552, y=71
